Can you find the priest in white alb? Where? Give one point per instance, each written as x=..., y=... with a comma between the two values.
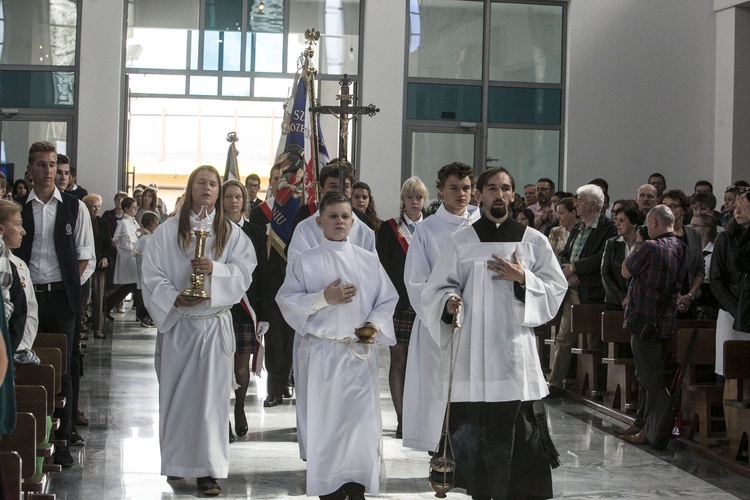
x=195, y=342
x=329, y=291
x=505, y=279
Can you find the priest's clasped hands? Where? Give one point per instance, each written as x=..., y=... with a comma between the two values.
x=504, y=270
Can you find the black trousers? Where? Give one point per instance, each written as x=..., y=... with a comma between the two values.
x=279, y=350
x=56, y=316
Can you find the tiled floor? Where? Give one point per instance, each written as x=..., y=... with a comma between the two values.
x=121, y=455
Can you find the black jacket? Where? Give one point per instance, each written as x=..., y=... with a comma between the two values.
x=589, y=263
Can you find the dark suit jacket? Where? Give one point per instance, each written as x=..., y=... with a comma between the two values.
x=696, y=265
x=258, y=293
x=102, y=241
x=615, y=285
x=393, y=259
x=589, y=263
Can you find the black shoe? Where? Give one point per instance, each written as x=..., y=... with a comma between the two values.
x=554, y=393
x=354, y=491
x=231, y=436
x=272, y=401
x=63, y=458
x=76, y=439
x=240, y=422
x=109, y=316
x=208, y=486
x=288, y=392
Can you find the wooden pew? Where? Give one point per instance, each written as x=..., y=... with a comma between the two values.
x=585, y=320
x=622, y=386
x=43, y=375
x=10, y=465
x=699, y=389
x=57, y=340
x=33, y=399
x=737, y=396
x=23, y=441
x=551, y=328
x=52, y=356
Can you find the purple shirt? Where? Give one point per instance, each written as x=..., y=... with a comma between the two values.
x=658, y=267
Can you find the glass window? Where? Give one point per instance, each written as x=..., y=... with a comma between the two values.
x=235, y=87
x=37, y=89
x=529, y=154
x=156, y=48
x=157, y=84
x=428, y=101
x=157, y=36
x=223, y=15
x=40, y=33
x=204, y=85
x=524, y=105
x=431, y=150
x=266, y=19
x=16, y=137
x=446, y=39
x=273, y=87
x=268, y=52
x=526, y=43
x=337, y=51
x=222, y=50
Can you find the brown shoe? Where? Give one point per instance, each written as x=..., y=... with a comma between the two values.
x=627, y=431
x=639, y=438
x=80, y=419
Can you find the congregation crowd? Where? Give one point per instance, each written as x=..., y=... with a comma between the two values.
x=481, y=266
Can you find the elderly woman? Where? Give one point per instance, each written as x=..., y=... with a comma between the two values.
x=104, y=250
x=726, y=276
x=195, y=342
x=616, y=250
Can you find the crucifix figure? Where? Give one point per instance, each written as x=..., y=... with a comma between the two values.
x=344, y=112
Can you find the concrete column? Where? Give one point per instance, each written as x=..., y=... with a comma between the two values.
x=99, y=159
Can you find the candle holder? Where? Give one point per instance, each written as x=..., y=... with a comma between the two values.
x=201, y=229
x=365, y=334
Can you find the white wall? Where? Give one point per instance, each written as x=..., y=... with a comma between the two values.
x=641, y=79
x=98, y=158
x=383, y=85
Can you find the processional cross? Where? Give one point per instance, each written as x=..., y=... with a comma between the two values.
x=344, y=112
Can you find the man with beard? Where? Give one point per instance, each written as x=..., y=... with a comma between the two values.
x=506, y=278
x=544, y=213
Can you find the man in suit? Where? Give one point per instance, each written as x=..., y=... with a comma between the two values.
x=60, y=257
x=581, y=261
x=252, y=185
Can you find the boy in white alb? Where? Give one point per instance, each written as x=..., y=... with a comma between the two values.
x=329, y=291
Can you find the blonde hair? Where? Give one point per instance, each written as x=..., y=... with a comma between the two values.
x=7, y=209
x=221, y=226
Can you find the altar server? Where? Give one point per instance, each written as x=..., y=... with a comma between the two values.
x=424, y=401
x=329, y=291
x=195, y=343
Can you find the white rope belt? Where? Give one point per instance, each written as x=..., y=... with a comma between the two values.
x=348, y=340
